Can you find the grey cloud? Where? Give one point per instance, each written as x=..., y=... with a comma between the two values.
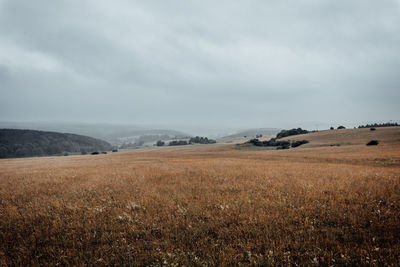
x=221, y=63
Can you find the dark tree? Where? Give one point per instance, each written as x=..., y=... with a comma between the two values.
x=160, y=143
x=373, y=143
x=178, y=143
x=201, y=140
x=299, y=143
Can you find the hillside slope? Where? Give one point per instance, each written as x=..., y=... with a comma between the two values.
x=254, y=132
x=385, y=135
x=28, y=143
x=115, y=134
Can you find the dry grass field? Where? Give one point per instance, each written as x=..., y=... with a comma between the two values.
x=205, y=206
x=387, y=135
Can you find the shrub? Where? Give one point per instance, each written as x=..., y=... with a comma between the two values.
x=372, y=129
x=95, y=153
x=299, y=143
x=271, y=142
x=283, y=147
x=178, y=143
x=256, y=142
x=201, y=140
x=373, y=143
x=341, y=127
x=160, y=143
x=115, y=150
x=282, y=143
x=332, y=128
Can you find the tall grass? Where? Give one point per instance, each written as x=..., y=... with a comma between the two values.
x=218, y=207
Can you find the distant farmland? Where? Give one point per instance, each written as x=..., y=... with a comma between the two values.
x=208, y=205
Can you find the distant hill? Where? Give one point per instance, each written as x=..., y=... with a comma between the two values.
x=115, y=134
x=28, y=143
x=143, y=137
x=255, y=132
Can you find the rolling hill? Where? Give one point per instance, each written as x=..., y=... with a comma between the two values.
x=254, y=132
x=28, y=143
x=343, y=137
x=115, y=134
x=208, y=205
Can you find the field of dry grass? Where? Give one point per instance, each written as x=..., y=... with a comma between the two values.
x=386, y=135
x=204, y=205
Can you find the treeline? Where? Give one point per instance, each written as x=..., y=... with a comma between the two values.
x=282, y=144
x=28, y=143
x=279, y=144
x=376, y=125
x=201, y=140
x=178, y=143
x=294, y=131
x=149, y=138
x=192, y=140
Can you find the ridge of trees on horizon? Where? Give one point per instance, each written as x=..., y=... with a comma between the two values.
x=192, y=140
x=201, y=140
x=377, y=125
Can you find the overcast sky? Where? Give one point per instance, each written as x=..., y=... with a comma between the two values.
x=213, y=63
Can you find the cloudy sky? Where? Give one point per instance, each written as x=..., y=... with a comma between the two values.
x=214, y=63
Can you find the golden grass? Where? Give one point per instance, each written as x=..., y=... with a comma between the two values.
x=209, y=205
x=385, y=135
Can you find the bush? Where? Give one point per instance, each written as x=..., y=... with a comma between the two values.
x=282, y=144
x=256, y=142
x=160, y=143
x=178, y=143
x=115, y=150
x=372, y=129
x=341, y=127
x=299, y=143
x=332, y=128
x=201, y=140
x=283, y=147
x=271, y=142
x=95, y=153
x=373, y=143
